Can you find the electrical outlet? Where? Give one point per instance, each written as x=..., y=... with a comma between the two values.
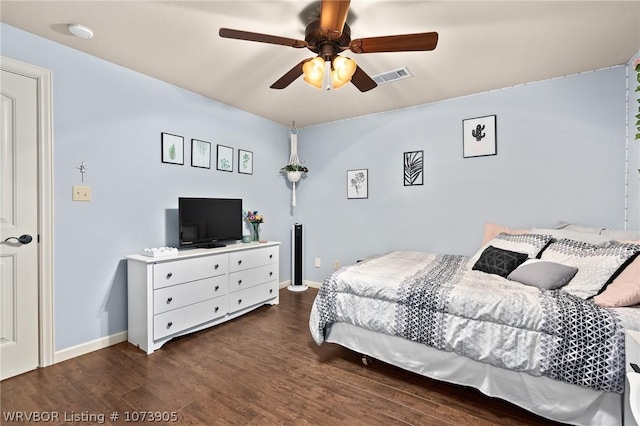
x=318, y=262
x=336, y=265
x=81, y=193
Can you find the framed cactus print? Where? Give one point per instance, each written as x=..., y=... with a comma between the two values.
x=172, y=149
x=479, y=137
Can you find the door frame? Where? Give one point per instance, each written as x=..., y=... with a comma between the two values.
x=46, y=336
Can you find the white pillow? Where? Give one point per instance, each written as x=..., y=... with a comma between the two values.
x=531, y=244
x=621, y=235
x=584, y=237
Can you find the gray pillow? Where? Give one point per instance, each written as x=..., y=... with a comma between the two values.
x=543, y=274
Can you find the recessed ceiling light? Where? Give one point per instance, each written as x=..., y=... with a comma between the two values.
x=80, y=31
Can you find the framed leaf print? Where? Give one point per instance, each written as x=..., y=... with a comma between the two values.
x=172, y=148
x=200, y=154
x=245, y=162
x=413, y=168
x=225, y=158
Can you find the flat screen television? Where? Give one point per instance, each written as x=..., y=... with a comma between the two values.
x=209, y=222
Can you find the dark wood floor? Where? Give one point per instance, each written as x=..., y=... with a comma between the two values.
x=260, y=369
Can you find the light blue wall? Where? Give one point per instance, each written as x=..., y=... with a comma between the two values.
x=111, y=118
x=561, y=151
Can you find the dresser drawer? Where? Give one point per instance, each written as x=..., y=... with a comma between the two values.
x=185, y=270
x=246, y=259
x=250, y=277
x=181, y=319
x=177, y=296
x=252, y=296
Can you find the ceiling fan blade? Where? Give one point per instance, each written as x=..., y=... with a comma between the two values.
x=333, y=15
x=262, y=38
x=396, y=43
x=362, y=81
x=290, y=76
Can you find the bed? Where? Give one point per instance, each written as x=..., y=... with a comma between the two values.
x=542, y=343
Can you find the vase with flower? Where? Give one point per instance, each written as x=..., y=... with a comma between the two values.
x=254, y=219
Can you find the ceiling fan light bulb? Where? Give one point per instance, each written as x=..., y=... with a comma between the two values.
x=313, y=71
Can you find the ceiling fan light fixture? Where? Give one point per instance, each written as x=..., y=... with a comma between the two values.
x=313, y=71
x=343, y=70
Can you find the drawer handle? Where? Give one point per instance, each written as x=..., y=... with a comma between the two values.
x=169, y=300
x=239, y=301
x=240, y=262
x=216, y=309
x=169, y=275
x=169, y=324
x=239, y=282
x=270, y=256
x=270, y=290
x=217, y=288
x=271, y=273
x=216, y=267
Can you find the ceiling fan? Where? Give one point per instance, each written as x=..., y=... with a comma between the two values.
x=328, y=36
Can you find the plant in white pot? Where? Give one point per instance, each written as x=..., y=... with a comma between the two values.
x=294, y=171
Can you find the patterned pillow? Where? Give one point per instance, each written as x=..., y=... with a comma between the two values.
x=596, y=264
x=498, y=261
x=531, y=244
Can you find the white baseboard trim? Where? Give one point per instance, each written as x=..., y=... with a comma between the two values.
x=104, y=342
x=312, y=284
x=85, y=348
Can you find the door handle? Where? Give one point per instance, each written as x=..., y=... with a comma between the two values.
x=22, y=239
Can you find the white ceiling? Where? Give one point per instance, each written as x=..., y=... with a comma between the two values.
x=483, y=45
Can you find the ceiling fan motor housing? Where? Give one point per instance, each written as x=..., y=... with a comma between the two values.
x=321, y=41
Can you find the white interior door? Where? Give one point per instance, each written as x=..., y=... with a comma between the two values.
x=19, y=338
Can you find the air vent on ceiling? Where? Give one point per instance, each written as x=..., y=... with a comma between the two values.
x=389, y=76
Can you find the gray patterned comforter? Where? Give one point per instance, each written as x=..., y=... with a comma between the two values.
x=439, y=301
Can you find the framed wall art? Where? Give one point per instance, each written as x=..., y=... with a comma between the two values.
x=479, y=137
x=358, y=183
x=200, y=154
x=245, y=162
x=413, y=168
x=172, y=148
x=224, y=158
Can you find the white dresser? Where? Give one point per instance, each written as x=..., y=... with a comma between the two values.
x=198, y=288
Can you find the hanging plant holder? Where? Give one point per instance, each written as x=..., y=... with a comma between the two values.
x=294, y=170
x=294, y=176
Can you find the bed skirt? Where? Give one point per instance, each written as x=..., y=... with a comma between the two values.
x=546, y=397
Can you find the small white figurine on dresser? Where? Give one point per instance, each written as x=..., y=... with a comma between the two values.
x=172, y=295
x=162, y=251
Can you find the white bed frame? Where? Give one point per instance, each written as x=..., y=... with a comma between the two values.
x=546, y=397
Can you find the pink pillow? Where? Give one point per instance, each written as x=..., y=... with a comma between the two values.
x=625, y=289
x=491, y=230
